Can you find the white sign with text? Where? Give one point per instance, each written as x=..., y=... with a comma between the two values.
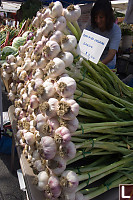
x=91, y=45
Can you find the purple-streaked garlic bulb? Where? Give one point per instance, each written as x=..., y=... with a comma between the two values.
x=67, y=151
x=57, y=36
x=69, y=42
x=34, y=102
x=57, y=165
x=53, y=189
x=17, y=112
x=62, y=135
x=65, y=86
x=56, y=9
x=42, y=180
x=39, y=46
x=30, y=138
x=67, y=109
x=55, y=67
x=69, y=181
x=51, y=49
x=35, y=155
x=60, y=23
x=49, y=147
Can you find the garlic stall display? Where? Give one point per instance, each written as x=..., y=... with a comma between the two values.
x=68, y=110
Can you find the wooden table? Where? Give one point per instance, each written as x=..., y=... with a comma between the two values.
x=33, y=192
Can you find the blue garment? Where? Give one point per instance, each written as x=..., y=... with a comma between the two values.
x=114, y=36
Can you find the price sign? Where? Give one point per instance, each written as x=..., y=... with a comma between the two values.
x=91, y=45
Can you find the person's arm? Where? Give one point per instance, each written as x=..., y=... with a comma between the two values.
x=109, y=57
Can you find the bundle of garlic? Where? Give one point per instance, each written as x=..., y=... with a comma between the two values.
x=43, y=96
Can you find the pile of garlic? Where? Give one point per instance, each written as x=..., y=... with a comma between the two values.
x=42, y=93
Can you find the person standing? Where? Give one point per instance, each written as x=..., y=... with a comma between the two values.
x=103, y=23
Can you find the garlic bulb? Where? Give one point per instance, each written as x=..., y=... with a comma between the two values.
x=62, y=135
x=72, y=13
x=67, y=109
x=10, y=58
x=49, y=147
x=51, y=49
x=47, y=27
x=50, y=107
x=56, y=9
x=30, y=138
x=57, y=165
x=60, y=23
x=69, y=42
x=57, y=36
x=55, y=67
x=53, y=189
x=42, y=180
x=67, y=57
x=65, y=86
x=67, y=151
x=49, y=89
x=34, y=103
x=69, y=181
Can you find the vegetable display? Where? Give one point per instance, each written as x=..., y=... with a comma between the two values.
x=74, y=118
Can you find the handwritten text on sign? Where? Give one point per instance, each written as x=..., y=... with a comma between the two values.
x=91, y=45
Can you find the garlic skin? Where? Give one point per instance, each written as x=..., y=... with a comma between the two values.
x=56, y=67
x=49, y=147
x=5, y=75
x=69, y=181
x=51, y=49
x=57, y=165
x=38, y=35
x=68, y=195
x=69, y=42
x=72, y=13
x=45, y=14
x=40, y=122
x=65, y=86
x=7, y=67
x=19, y=60
x=53, y=124
x=11, y=96
x=60, y=23
x=42, y=180
x=56, y=9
